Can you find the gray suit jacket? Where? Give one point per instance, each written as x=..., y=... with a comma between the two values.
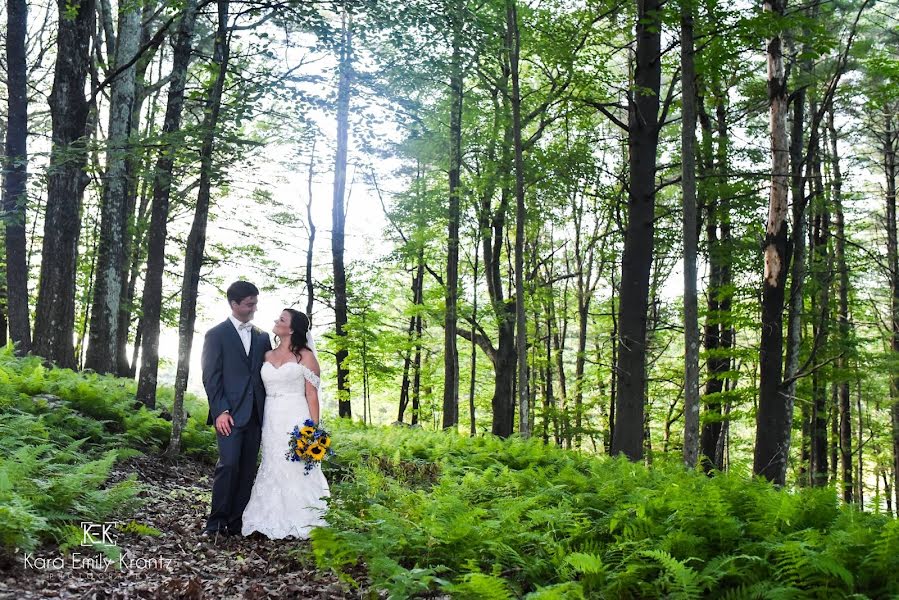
x=232, y=378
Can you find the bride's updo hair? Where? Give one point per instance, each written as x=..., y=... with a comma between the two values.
x=299, y=322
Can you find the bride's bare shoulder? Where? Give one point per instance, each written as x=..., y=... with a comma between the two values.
x=308, y=360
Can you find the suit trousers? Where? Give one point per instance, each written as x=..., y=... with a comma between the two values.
x=234, y=475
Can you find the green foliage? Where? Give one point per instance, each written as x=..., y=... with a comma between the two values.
x=61, y=433
x=99, y=407
x=48, y=482
x=499, y=519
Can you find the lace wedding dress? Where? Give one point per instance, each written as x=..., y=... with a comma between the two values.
x=284, y=501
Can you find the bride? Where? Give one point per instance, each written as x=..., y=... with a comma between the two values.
x=285, y=502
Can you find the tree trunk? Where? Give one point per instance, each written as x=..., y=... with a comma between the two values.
x=717, y=330
x=821, y=276
x=196, y=239
x=558, y=352
x=797, y=250
x=636, y=263
x=137, y=253
x=584, y=255
x=310, y=283
x=775, y=411
x=103, y=342
x=492, y=223
x=338, y=215
x=844, y=401
x=450, y=349
x=613, y=377
x=834, y=440
x=414, y=331
x=583, y=316
x=688, y=185
x=513, y=42
x=104, y=10
x=503, y=401
x=416, y=379
x=504, y=385
x=549, y=399
x=69, y=109
x=4, y=340
x=860, y=473
x=366, y=407
x=15, y=196
x=715, y=364
x=90, y=244
x=474, y=346
x=151, y=302
x=135, y=224
x=889, y=168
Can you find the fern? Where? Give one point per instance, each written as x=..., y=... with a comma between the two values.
x=676, y=580
x=140, y=529
x=478, y=586
x=762, y=590
x=20, y=525
x=569, y=590
x=585, y=564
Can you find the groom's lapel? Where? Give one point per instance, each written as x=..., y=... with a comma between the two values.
x=253, y=345
x=236, y=341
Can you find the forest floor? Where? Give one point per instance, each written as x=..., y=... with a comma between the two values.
x=178, y=563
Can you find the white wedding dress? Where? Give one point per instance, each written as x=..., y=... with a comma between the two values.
x=284, y=501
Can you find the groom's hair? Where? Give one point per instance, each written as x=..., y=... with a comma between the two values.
x=239, y=290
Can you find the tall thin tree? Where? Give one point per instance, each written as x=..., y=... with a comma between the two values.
x=55, y=313
x=151, y=301
x=775, y=410
x=688, y=187
x=338, y=212
x=636, y=262
x=310, y=283
x=450, y=349
x=196, y=239
x=513, y=42
x=110, y=271
x=15, y=173
x=890, y=140
x=844, y=401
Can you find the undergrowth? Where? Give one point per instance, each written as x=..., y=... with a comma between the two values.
x=484, y=518
x=437, y=513
x=61, y=433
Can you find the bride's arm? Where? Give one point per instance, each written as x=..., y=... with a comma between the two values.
x=311, y=363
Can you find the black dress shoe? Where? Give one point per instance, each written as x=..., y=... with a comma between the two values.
x=234, y=530
x=213, y=533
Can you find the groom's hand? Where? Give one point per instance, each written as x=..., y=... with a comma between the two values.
x=224, y=423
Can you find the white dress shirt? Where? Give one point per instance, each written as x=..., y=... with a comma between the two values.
x=243, y=330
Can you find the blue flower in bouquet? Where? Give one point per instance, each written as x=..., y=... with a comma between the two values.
x=310, y=444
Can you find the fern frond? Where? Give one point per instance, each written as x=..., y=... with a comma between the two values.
x=589, y=564
x=479, y=586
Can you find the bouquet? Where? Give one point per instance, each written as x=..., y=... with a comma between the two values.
x=310, y=444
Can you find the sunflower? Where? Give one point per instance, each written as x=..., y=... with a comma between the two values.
x=325, y=441
x=307, y=431
x=315, y=451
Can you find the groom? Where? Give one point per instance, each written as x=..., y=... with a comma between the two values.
x=232, y=360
